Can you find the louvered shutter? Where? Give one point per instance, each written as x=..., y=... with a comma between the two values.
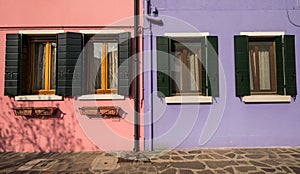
x=242, y=76
x=163, y=69
x=69, y=68
x=279, y=65
x=13, y=57
x=290, y=65
x=124, y=63
x=212, y=66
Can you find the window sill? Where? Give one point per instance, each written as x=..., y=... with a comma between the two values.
x=188, y=99
x=267, y=99
x=101, y=97
x=38, y=97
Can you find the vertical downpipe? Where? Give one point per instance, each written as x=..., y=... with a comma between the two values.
x=136, y=80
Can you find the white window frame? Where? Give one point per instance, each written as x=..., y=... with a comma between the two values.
x=266, y=98
x=194, y=98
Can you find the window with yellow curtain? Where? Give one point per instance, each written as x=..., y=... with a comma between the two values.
x=102, y=65
x=42, y=66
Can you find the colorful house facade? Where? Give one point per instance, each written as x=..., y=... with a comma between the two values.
x=225, y=74
x=67, y=76
x=191, y=74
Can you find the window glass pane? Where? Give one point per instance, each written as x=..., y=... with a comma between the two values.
x=96, y=61
x=112, y=66
x=53, y=66
x=186, y=73
x=39, y=65
x=262, y=66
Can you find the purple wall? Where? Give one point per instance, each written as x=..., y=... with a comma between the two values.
x=227, y=122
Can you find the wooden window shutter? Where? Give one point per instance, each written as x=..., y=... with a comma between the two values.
x=124, y=64
x=163, y=69
x=212, y=66
x=13, y=57
x=242, y=74
x=279, y=65
x=290, y=65
x=69, y=47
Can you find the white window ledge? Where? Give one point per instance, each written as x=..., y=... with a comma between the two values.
x=267, y=98
x=101, y=97
x=38, y=97
x=188, y=99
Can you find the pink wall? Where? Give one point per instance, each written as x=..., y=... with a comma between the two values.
x=64, y=12
x=74, y=132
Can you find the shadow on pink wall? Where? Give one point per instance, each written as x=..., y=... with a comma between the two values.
x=58, y=134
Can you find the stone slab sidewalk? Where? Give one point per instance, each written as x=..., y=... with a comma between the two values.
x=194, y=161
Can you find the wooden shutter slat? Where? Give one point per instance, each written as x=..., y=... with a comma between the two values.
x=69, y=47
x=124, y=63
x=212, y=66
x=242, y=76
x=163, y=69
x=290, y=65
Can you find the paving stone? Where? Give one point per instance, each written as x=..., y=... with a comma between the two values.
x=189, y=165
x=176, y=158
x=296, y=155
x=194, y=151
x=255, y=156
x=205, y=172
x=169, y=171
x=216, y=156
x=165, y=157
x=181, y=171
x=271, y=162
x=204, y=157
x=229, y=169
x=268, y=170
x=219, y=164
x=244, y=162
x=256, y=173
x=188, y=157
x=222, y=151
x=295, y=169
x=245, y=168
x=255, y=163
x=230, y=155
x=220, y=171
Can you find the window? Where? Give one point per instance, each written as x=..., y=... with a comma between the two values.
x=187, y=66
x=262, y=66
x=42, y=65
x=102, y=63
x=186, y=72
x=57, y=64
x=265, y=65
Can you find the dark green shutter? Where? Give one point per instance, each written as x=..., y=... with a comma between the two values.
x=163, y=69
x=212, y=66
x=279, y=65
x=290, y=65
x=69, y=47
x=26, y=87
x=203, y=68
x=13, y=57
x=242, y=77
x=124, y=63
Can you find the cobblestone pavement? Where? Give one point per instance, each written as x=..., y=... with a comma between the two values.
x=194, y=161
